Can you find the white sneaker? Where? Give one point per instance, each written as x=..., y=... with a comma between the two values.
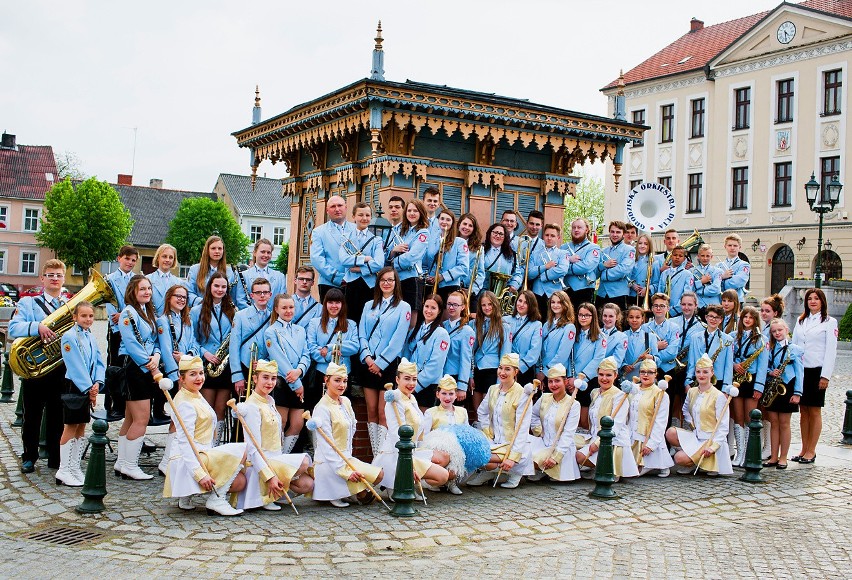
x=538, y=476
x=480, y=477
x=217, y=504
x=339, y=503
x=664, y=472
x=272, y=507
x=644, y=471
x=587, y=474
x=684, y=470
x=512, y=482
x=185, y=503
x=453, y=488
x=712, y=473
x=428, y=487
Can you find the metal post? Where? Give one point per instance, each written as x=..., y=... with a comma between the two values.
x=403, y=485
x=604, y=467
x=754, y=460
x=847, y=421
x=7, y=388
x=818, y=271
x=94, y=485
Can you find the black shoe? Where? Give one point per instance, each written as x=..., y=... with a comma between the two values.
x=148, y=449
x=797, y=458
x=159, y=421
x=804, y=461
x=114, y=416
x=781, y=466
x=771, y=464
x=27, y=466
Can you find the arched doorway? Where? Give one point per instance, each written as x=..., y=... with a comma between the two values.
x=782, y=268
x=832, y=265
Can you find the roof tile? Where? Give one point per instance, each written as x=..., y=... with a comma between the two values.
x=24, y=171
x=265, y=200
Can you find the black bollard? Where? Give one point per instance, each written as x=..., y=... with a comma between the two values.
x=19, y=409
x=94, y=485
x=605, y=467
x=847, y=421
x=7, y=389
x=403, y=484
x=754, y=459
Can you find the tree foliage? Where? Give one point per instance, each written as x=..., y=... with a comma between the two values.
x=84, y=225
x=283, y=259
x=588, y=202
x=845, y=325
x=68, y=164
x=197, y=219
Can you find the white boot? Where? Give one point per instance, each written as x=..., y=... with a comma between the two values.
x=130, y=469
x=64, y=474
x=381, y=434
x=480, y=477
x=371, y=431
x=77, y=458
x=163, y=467
x=453, y=487
x=512, y=482
x=766, y=440
x=120, y=452
x=185, y=503
x=740, y=434
x=289, y=443
x=219, y=503
x=217, y=434
x=732, y=440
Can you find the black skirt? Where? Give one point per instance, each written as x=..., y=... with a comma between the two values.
x=140, y=384
x=222, y=382
x=585, y=397
x=285, y=396
x=812, y=395
x=746, y=389
x=782, y=403
x=368, y=380
x=483, y=379
x=412, y=292
x=526, y=377
x=427, y=397
x=75, y=406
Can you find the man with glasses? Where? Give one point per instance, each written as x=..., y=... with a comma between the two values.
x=326, y=241
x=307, y=308
x=42, y=395
x=248, y=327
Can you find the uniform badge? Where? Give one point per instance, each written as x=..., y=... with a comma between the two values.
x=464, y=249
x=268, y=343
x=603, y=342
x=422, y=237
x=632, y=255
x=471, y=340
x=625, y=343
x=836, y=333
x=67, y=348
x=571, y=335
x=126, y=322
x=540, y=333
x=444, y=345
x=159, y=330
x=595, y=253
x=408, y=315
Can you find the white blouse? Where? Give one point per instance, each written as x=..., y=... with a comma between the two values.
x=819, y=341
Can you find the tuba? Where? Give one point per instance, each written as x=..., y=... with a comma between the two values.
x=689, y=244
x=31, y=358
x=498, y=283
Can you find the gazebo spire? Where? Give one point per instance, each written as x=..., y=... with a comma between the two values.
x=378, y=71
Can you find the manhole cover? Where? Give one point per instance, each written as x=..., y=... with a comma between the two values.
x=64, y=536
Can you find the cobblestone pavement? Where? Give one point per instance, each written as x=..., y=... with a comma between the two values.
x=792, y=527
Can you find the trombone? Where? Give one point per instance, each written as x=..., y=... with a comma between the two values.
x=527, y=240
x=473, y=273
x=439, y=260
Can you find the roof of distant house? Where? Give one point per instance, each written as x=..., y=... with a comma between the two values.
x=696, y=48
x=27, y=171
x=264, y=200
x=152, y=209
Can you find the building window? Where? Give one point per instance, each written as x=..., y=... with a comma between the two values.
x=784, y=106
x=829, y=167
x=696, y=185
x=31, y=219
x=742, y=99
x=783, y=184
x=4, y=217
x=255, y=233
x=278, y=237
x=740, y=188
x=698, y=109
x=77, y=271
x=3, y=261
x=28, y=262
x=832, y=92
x=639, y=117
x=635, y=183
x=183, y=271
x=667, y=123
x=666, y=181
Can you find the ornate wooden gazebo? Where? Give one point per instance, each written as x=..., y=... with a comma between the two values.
x=376, y=138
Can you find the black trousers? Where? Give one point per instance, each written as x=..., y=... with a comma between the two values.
x=579, y=296
x=543, y=305
x=43, y=396
x=357, y=295
x=113, y=402
x=620, y=301
x=323, y=288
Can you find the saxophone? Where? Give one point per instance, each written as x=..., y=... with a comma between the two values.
x=775, y=386
x=747, y=377
x=222, y=355
x=715, y=355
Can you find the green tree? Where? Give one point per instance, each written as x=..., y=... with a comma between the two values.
x=283, y=259
x=197, y=219
x=587, y=202
x=845, y=326
x=84, y=225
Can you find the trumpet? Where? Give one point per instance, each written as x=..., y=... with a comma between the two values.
x=588, y=279
x=349, y=251
x=439, y=260
x=336, y=350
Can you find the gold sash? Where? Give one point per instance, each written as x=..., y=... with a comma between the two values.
x=511, y=400
x=645, y=408
x=707, y=418
x=203, y=417
x=410, y=414
x=439, y=417
x=342, y=418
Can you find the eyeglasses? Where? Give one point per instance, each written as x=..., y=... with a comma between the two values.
x=584, y=315
x=54, y=276
x=311, y=280
x=496, y=233
x=387, y=281
x=453, y=305
x=179, y=297
x=262, y=293
x=658, y=306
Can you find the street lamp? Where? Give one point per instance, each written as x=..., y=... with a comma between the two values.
x=379, y=225
x=822, y=202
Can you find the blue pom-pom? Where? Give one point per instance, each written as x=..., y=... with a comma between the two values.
x=390, y=396
x=477, y=448
x=311, y=424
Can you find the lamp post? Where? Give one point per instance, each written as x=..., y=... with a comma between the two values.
x=822, y=202
x=379, y=225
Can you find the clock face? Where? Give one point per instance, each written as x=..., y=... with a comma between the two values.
x=786, y=32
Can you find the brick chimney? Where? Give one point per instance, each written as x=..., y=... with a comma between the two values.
x=124, y=179
x=8, y=141
x=156, y=183
x=695, y=25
